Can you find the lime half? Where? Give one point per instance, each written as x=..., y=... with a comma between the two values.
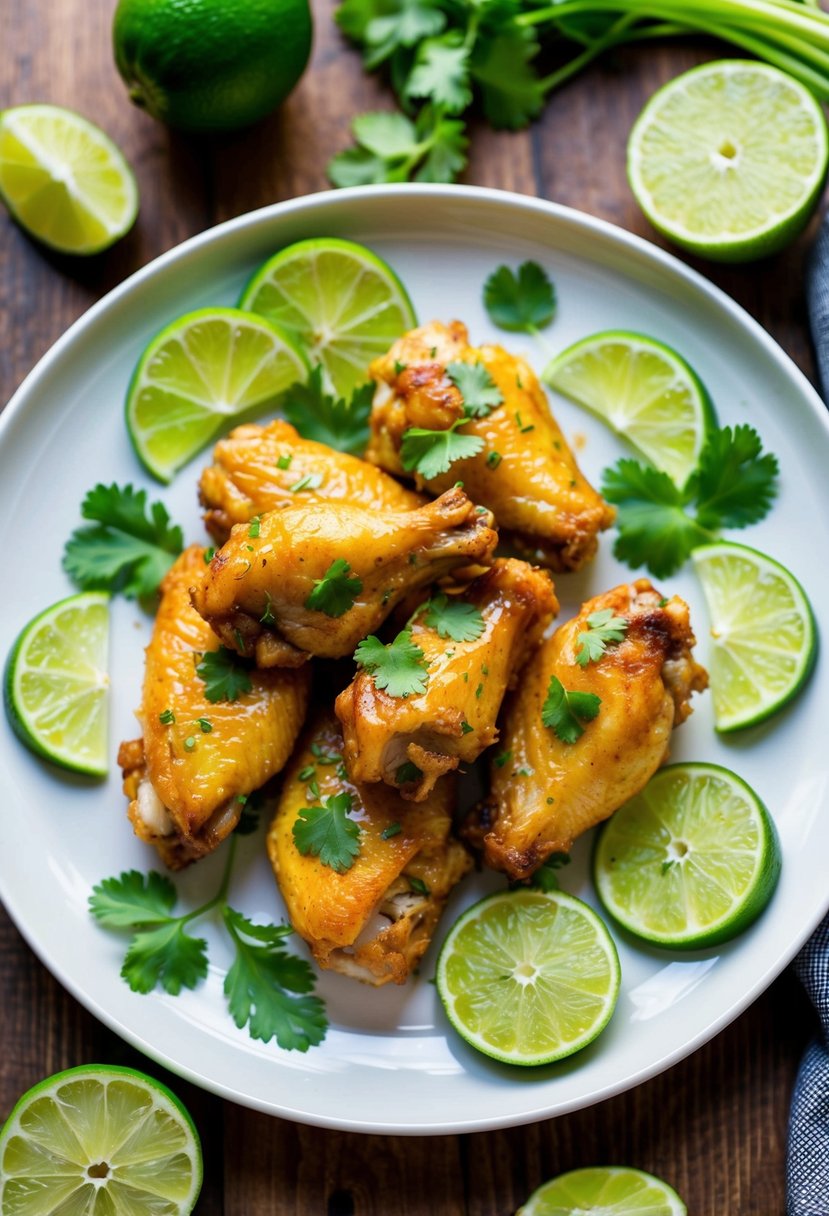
x=339, y=301
x=763, y=633
x=203, y=373
x=64, y=180
x=56, y=683
x=644, y=391
x=604, y=1190
x=690, y=861
x=528, y=976
x=728, y=160
x=103, y=1140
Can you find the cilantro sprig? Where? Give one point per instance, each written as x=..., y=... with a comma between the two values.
x=564, y=712
x=432, y=452
x=453, y=618
x=330, y=420
x=475, y=384
x=224, y=677
x=522, y=302
x=400, y=668
x=603, y=630
x=327, y=832
x=392, y=148
x=336, y=591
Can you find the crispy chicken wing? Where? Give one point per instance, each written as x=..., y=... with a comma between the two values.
x=256, y=590
x=255, y=467
x=550, y=792
x=374, y=921
x=525, y=473
x=454, y=719
x=185, y=776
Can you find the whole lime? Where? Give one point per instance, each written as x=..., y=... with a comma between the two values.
x=211, y=65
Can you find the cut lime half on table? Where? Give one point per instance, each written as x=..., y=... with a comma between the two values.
x=604, y=1190
x=340, y=302
x=644, y=391
x=202, y=373
x=64, y=180
x=691, y=861
x=99, y=1139
x=763, y=635
x=528, y=977
x=728, y=160
x=56, y=684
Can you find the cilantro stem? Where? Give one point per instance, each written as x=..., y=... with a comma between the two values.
x=591, y=51
x=220, y=898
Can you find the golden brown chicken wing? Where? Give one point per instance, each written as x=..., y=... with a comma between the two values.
x=197, y=760
x=318, y=579
x=374, y=920
x=545, y=792
x=525, y=473
x=258, y=468
x=410, y=742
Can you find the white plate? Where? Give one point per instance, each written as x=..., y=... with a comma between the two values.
x=390, y=1063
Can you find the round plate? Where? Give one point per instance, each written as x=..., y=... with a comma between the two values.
x=390, y=1063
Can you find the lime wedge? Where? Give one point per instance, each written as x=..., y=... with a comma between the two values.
x=99, y=1139
x=604, y=1190
x=763, y=633
x=56, y=683
x=529, y=976
x=341, y=303
x=644, y=391
x=689, y=862
x=728, y=160
x=202, y=374
x=64, y=180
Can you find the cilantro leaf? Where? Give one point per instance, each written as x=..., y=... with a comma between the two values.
x=511, y=91
x=327, y=832
x=336, y=591
x=399, y=668
x=321, y=417
x=603, y=629
x=564, y=711
x=224, y=677
x=441, y=73
x=654, y=528
x=397, y=23
x=453, y=618
x=127, y=549
x=521, y=303
x=392, y=148
x=479, y=391
x=442, y=146
x=431, y=453
x=267, y=988
x=167, y=956
x=133, y=898
x=386, y=133
x=734, y=485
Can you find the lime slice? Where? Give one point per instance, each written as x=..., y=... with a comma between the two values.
x=728, y=160
x=200, y=375
x=56, y=683
x=763, y=633
x=63, y=180
x=644, y=391
x=690, y=861
x=99, y=1139
x=339, y=301
x=529, y=976
x=604, y=1190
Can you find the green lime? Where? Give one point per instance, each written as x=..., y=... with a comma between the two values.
x=211, y=65
x=103, y=1140
x=64, y=180
x=338, y=300
x=689, y=862
x=528, y=976
x=763, y=633
x=201, y=374
x=728, y=160
x=56, y=683
x=604, y=1190
x=644, y=391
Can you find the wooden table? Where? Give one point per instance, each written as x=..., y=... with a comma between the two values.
x=715, y=1125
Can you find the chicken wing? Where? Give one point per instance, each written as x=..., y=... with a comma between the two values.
x=255, y=469
x=257, y=588
x=188, y=775
x=546, y=792
x=410, y=742
x=525, y=473
x=373, y=921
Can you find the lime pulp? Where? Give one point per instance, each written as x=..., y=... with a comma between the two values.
x=604, y=1190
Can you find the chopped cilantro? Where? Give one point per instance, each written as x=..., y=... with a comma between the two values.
x=394, y=829
x=407, y=773
x=253, y=527
x=284, y=462
x=167, y=717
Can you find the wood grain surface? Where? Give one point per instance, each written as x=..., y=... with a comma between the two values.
x=714, y=1125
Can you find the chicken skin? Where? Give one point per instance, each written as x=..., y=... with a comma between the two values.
x=263, y=593
x=524, y=472
x=374, y=920
x=256, y=467
x=546, y=792
x=411, y=741
x=197, y=760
